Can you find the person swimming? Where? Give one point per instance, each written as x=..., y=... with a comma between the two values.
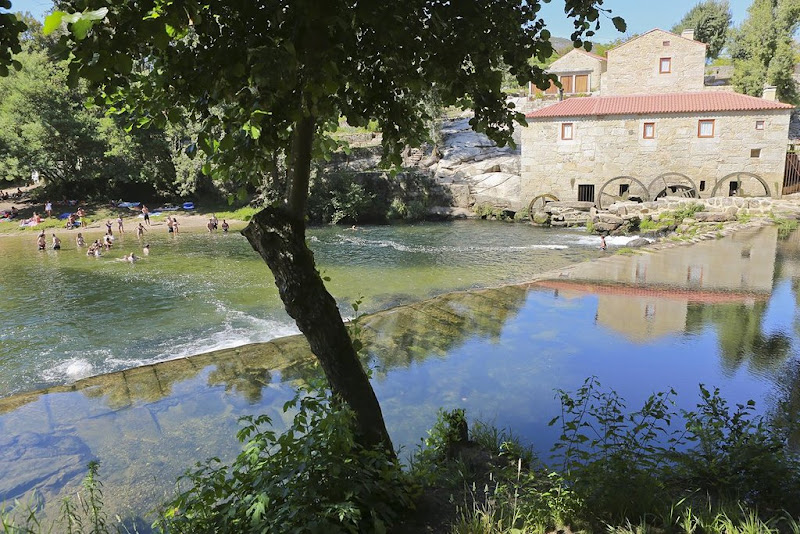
x=146, y=249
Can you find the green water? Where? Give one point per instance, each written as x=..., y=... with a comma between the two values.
x=67, y=316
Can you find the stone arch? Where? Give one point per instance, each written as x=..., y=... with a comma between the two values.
x=741, y=177
x=672, y=182
x=635, y=191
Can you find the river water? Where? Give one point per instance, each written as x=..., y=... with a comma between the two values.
x=66, y=316
x=721, y=312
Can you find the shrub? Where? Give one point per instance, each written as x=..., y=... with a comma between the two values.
x=314, y=477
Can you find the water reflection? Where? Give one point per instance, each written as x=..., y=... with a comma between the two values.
x=720, y=313
x=723, y=284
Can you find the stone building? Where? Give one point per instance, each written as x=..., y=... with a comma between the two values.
x=655, y=129
x=578, y=71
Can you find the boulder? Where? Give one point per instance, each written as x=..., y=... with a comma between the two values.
x=610, y=219
x=605, y=227
x=571, y=204
x=540, y=217
x=709, y=216
x=638, y=242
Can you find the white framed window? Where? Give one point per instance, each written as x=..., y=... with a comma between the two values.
x=567, y=131
x=760, y=125
x=649, y=130
x=705, y=128
x=665, y=65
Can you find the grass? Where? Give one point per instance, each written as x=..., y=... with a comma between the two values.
x=785, y=226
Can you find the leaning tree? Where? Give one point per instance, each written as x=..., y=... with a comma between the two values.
x=265, y=80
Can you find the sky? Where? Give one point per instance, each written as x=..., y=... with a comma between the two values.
x=641, y=15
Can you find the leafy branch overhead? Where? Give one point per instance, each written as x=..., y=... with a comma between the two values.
x=11, y=28
x=248, y=73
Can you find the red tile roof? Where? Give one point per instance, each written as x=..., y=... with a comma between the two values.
x=704, y=102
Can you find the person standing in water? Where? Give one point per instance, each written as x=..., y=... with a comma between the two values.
x=140, y=230
x=56, y=243
x=108, y=228
x=79, y=240
x=41, y=242
x=225, y=226
x=120, y=225
x=603, y=242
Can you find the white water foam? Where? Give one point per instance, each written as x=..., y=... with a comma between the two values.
x=615, y=240
x=428, y=249
x=238, y=328
x=69, y=370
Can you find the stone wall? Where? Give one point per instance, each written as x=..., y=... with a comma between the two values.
x=634, y=66
x=579, y=62
x=603, y=148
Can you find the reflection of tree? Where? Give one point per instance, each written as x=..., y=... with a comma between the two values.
x=399, y=337
x=740, y=335
x=786, y=402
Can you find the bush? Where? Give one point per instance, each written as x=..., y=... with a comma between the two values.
x=314, y=477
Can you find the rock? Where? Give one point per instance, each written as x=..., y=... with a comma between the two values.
x=708, y=216
x=605, y=227
x=639, y=242
x=610, y=219
x=558, y=223
x=571, y=204
x=540, y=217
x=449, y=212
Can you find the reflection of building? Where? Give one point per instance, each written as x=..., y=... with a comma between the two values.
x=647, y=295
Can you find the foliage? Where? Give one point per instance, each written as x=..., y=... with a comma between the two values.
x=590, y=226
x=314, y=477
x=710, y=21
x=764, y=51
x=11, y=30
x=649, y=225
x=785, y=226
x=45, y=127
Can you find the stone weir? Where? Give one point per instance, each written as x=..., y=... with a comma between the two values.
x=627, y=217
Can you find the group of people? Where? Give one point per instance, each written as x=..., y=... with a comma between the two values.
x=41, y=241
x=213, y=224
x=5, y=196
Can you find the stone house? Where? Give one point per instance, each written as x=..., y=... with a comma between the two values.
x=578, y=71
x=655, y=129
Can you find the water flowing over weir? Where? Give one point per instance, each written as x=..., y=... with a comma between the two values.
x=720, y=313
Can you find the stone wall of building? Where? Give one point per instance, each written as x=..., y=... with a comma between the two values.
x=603, y=148
x=634, y=66
x=578, y=62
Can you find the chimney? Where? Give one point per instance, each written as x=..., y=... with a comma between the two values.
x=770, y=93
x=688, y=33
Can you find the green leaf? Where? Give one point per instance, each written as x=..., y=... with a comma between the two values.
x=619, y=24
x=81, y=27
x=52, y=22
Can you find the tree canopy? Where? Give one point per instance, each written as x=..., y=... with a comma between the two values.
x=763, y=49
x=710, y=21
x=264, y=81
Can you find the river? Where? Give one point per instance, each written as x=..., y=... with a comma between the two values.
x=721, y=313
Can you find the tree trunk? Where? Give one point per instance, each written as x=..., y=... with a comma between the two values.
x=279, y=236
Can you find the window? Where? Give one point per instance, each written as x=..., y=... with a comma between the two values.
x=702, y=185
x=705, y=128
x=665, y=65
x=733, y=188
x=759, y=125
x=649, y=131
x=567, y=131
x=552, y=90
x=755, y=152
x=665, y=43
x=581, y=83
x=694, y=275
x=566, y=84
x=585, y=193
x=623, y=189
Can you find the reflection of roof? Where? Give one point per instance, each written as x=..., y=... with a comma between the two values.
x=704, y=296
x=708, y=101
